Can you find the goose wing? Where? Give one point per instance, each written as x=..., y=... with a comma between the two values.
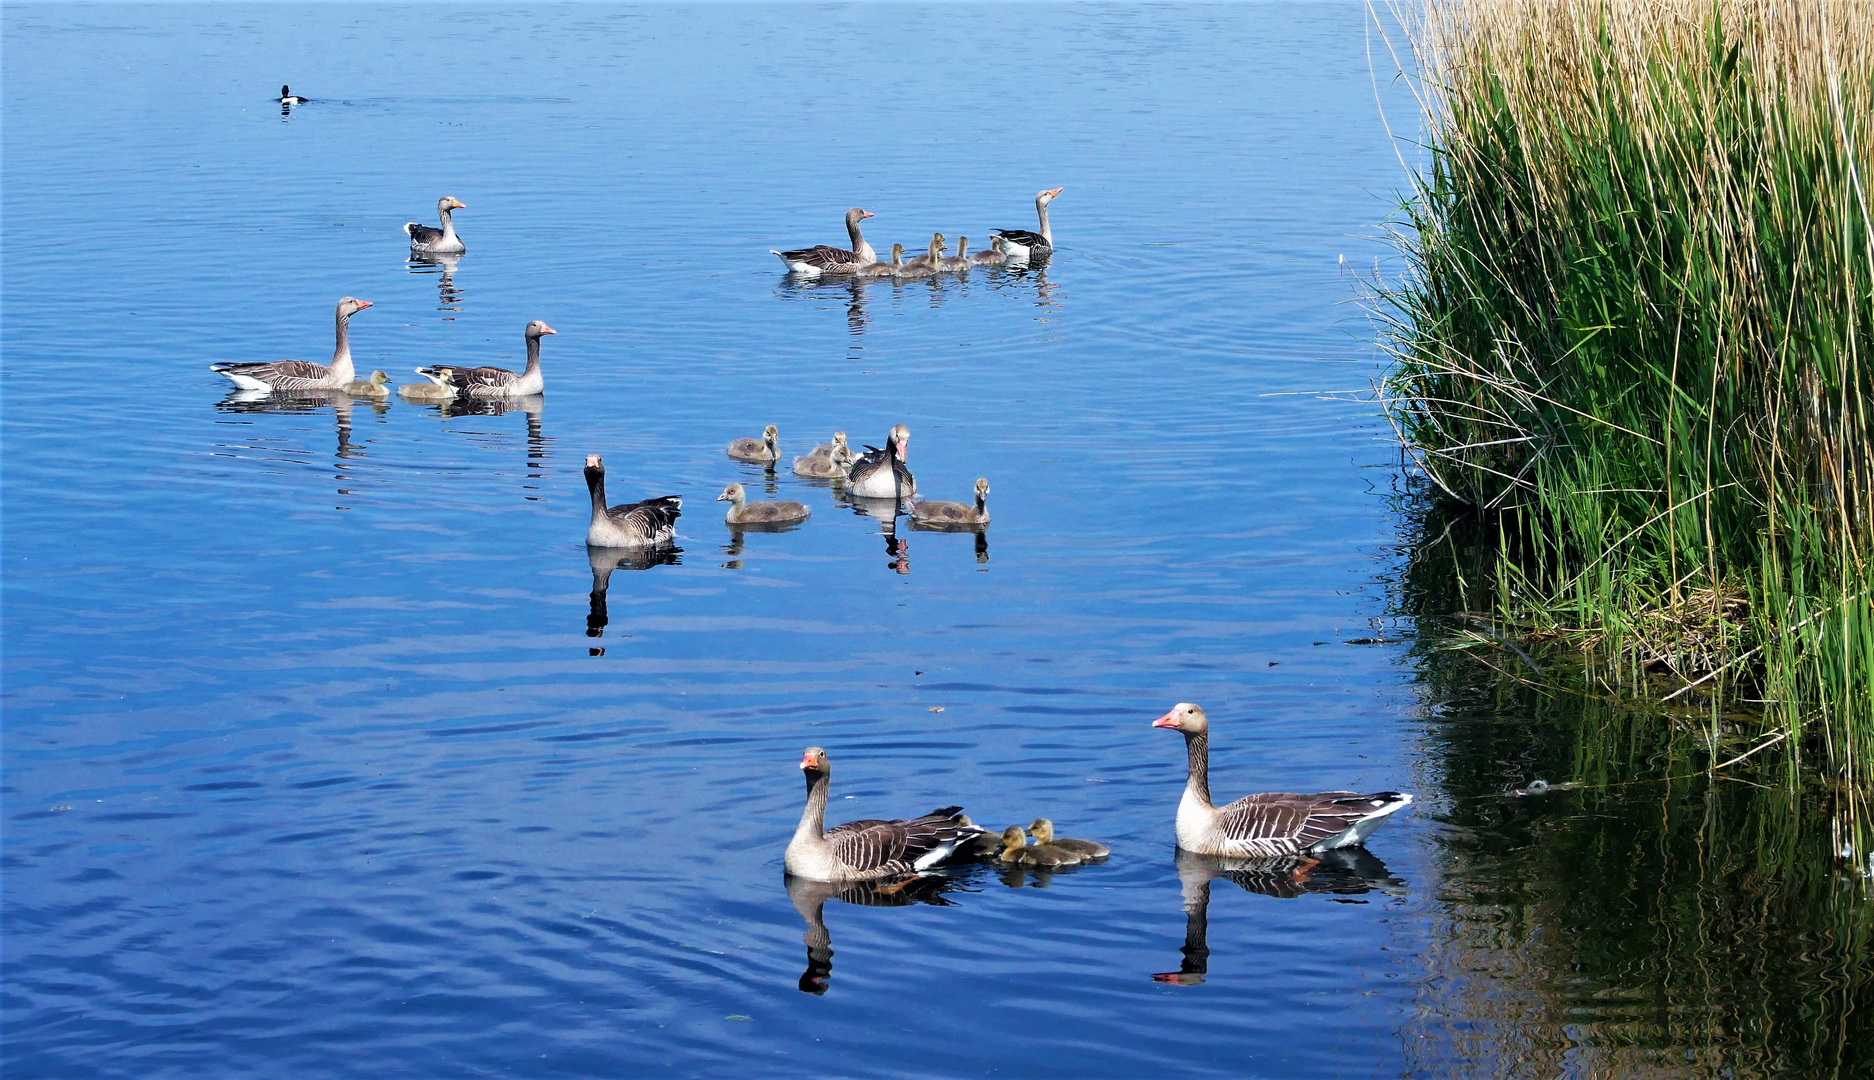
x=872, y=845
x=1284, y=824
x=422, y=234
x=822, y=256
x=280, y=374
x=1023, y=237
x=468, y=379
x=652, y=518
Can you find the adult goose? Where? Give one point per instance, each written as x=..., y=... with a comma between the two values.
x=377, y=386
x=1022, y=244
x=1043, y=831
x=629, y=525
x=287, y=97
x=427, y=241
x=935, y=514
x=301, y=374
x=1266, y=826
x=763, y=451
x=869, y=849
x=995, y=256
x=776, y=512
x=495, y=382
x=822, y=259
x=881, y=474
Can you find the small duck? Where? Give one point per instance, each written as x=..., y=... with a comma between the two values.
x=937, y=514
x=1015, y=850
x=287, y=97
x=743, y=512
x=435, y=390
x=763, y=451
x=1043, y=831
x=377, y=386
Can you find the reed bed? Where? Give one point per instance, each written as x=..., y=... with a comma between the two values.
x=1635, y=340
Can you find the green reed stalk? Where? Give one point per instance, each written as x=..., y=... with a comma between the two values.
x=1637, y=333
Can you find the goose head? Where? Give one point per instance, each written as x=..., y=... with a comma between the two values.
x=900, y=440
x=378, y=378
x=1013, y=837
x=937, y=245
x=350, y=306
x=593, y=462
x=734, y=493
x=1184, y=717
x=1042, y=829
x=856, y=215
x=813, y=761
x=537, y=328
x=1047, y=197
x=448, y=203
x=897, y=254
x=982, y=486
x=839, y=438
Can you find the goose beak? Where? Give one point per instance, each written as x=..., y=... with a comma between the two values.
x=592, y=461
x=863, y=214
x=806, y=761
x=362, y=304
x=548, y=330
x=1169, y=720
x=1056, y=192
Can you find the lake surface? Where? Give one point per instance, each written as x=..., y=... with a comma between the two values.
x=324, y=754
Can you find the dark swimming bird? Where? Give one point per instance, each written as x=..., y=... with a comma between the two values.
x=287, y=97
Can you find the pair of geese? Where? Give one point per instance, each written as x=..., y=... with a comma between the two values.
x=1259, y=827
x=446, y=382
x=859, y=260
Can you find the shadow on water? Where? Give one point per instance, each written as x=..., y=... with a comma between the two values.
x=1608, y=906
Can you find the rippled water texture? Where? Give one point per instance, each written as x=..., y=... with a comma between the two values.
x=324, y=756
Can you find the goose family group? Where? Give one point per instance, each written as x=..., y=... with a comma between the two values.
x=1255, y=827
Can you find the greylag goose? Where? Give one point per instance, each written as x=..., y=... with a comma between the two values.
x=951, y=264
x=995, y=256
x=1266, y=826
x=1022, y=244
x=821, y=259
x=629, y=525
x=885, y=269
x=825, y=466
x=443, y=241
x=435, y=389
x=495, y=382
x=869, y=849
x=932, y=513
x=933, y=256
x=301, y=374
x=881, y=474
x=377, y=386
x=1043, y=831
x=1017, y=850
x=777, y=512
x=901, y=267
x=287, y=97
x=763, y=451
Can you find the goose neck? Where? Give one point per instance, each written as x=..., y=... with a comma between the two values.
x=1041, y=210
x=813, y=818
x=341, y=350
x=448, y=224
x=533, y=355
x=1197, y=783
x=859, y=246
x=595, y=483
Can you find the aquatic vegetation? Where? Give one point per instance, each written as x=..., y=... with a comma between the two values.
x=1634, y=344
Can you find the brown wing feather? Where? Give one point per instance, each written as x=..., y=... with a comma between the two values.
x=869, y=845
x=467, y=379
x=282, y=374
x=823, y=256
x=1284, y=823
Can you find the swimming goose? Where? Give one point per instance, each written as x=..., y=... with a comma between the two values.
x=777, y=512
x=933, y=256
x=995, y=256
x=1043, y=831
x=825, y=466
x=495, y=382
x=287, y=97
x=441, y=241
x=1022, y=244
x=881, y=474
x=300, y=374
x=951, y=264
x=868, y=849
x=763, y=451
x=629, y=525
x=377, y=386
x=1265, y=826
x=1015, y=849
x=931, y=512
x=821, y=259
x=437, y=387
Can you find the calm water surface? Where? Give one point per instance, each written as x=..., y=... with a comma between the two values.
x=328, y=752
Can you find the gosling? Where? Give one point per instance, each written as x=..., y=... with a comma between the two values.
x=1016, y=852
x=743, y=512
x=434, y=390
x=954, y=515
x=763, y=451
x=1043, y=830
x=377, y=386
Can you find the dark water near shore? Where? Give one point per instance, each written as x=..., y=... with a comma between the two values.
x=314, y=766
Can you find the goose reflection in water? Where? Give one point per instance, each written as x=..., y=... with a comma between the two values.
x=606, y=560
x=301, y=402
x=810, y=899
x=539, y=445
x=1342, y=872
x=448, y=297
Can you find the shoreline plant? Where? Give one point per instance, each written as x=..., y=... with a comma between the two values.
x=1636, y=340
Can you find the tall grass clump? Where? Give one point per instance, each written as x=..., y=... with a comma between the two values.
x=1635, y=339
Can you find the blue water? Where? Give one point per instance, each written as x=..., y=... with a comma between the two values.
x=321, y=756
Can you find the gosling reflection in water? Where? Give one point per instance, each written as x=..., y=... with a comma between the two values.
x=810, y=899
x=606, y=560
x=1341, y=872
